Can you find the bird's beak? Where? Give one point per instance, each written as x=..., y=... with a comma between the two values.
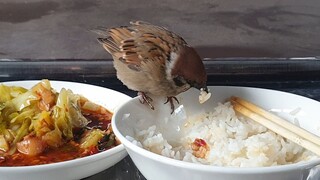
x=201, y=87
x=205, y=88
x=204, y=94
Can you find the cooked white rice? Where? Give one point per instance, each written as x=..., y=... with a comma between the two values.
x=233, y=141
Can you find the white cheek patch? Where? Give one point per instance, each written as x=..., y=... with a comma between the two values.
x=173, y=56
x=170, y=64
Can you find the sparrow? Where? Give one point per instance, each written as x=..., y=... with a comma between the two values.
x=153, y=60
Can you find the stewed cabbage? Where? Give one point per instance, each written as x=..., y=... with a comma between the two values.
x=43, y=118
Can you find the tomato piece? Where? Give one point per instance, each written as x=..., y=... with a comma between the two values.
x=31, y=146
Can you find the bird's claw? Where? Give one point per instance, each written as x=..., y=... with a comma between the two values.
x=145, y=99
x=170, y=100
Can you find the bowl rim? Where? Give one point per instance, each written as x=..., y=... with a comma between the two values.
x=209, y=168
x=73, y=162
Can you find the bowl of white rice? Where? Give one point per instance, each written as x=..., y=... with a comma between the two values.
x=212, y=141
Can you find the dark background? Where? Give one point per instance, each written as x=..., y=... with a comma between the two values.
x=59, y=29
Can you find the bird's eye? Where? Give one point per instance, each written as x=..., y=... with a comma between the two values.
x=179, y=81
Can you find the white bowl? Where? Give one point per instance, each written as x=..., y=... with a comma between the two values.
x=77, y=168
x=153, y=166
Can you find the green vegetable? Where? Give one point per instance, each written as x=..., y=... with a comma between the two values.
x=53, y=138
x=20, y=117
x=3, y=144
x=9, y=92
x=77, y=119
x=60, y=115
x=22, y=131
x=44, y=113
x=67, y=113
x=24, y=100
x=91, y=138
x=42, y=123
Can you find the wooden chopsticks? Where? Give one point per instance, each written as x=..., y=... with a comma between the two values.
x=277, y=124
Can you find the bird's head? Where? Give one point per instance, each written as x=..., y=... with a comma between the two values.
x=187, y=67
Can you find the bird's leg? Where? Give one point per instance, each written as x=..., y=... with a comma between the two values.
x=170, y=100
x=145, y=99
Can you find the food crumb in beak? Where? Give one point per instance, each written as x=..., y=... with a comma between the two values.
x=204, y=96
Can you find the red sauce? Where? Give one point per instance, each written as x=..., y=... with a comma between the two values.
x=67, y=151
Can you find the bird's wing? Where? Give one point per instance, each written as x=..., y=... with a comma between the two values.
x=139, y=43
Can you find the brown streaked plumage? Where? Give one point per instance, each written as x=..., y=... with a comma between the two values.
x=152, y=60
